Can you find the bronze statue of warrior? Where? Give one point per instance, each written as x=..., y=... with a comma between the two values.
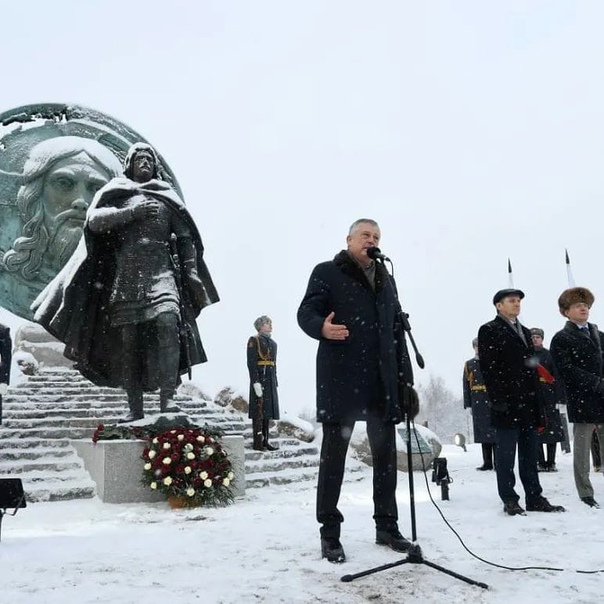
x=262, y=367
x=118, y=304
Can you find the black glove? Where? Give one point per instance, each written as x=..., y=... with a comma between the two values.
x=409, y=400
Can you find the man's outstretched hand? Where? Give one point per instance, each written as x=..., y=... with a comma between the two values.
x=332, y=331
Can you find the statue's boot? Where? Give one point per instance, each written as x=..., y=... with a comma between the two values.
x=135, y=403
x=265, y=442
x=167, y=404
x=258, y=444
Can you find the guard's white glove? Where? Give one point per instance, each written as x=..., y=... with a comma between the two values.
x=258, y=389
x=3, y=388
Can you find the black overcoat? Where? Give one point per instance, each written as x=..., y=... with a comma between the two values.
x=361, y=374
x=262, y=367
x=509, y=369
x=578, y=359
x=553, y=395
x=6, y=349
x=475, y=397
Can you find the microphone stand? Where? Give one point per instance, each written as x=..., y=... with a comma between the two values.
x=414, y=555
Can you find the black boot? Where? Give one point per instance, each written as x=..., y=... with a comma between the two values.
x=258, y=444
x=265, y=442
x=135, y=403
x=487, y=457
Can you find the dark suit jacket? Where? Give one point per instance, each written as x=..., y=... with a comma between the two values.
x=579, y=361
x=509, y=370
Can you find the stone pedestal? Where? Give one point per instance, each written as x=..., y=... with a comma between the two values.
x=117, y=468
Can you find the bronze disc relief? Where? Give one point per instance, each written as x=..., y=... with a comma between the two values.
x=53, y=159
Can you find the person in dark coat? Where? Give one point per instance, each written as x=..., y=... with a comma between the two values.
x=126, y=303
x=475, y=397
x=509, y=368
x=577, y=352
x=363, y=371
x=262, y=366
x=552, y=390
x=6, y=349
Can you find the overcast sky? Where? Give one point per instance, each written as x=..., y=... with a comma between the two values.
x=471, y=131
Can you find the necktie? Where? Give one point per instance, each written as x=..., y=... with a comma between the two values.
x=585, y=330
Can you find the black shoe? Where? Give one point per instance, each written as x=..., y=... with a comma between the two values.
x=512, y=508
x=591, y=502
x=541, y=504
x=332, y=549
x=485, y=466
x=541, y=468
x=131, y=417
x=258, y=447
x=269, y=447
x=552, y=467
x=393, y=539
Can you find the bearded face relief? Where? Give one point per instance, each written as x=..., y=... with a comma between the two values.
x=60, y=177
x=68, y=189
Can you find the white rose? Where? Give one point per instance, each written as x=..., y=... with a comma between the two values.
x=203, y=475
x=230, y=475
x=155, y=441
x=151, y=454
x=153, y=485
x=209, y=451
x=190, y=492
x=207, y=483
x=200, y=439
x=167, y=461
x=188, y=447
x=168, y=481
x=188, y=470
x=166, y=445
x=147, y=466
x=190, y=455
x=181, y=437
x=226, y=482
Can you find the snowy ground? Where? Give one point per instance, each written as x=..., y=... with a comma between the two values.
x=265, y=548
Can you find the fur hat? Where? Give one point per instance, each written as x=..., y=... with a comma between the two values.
x=537, y=331
x=572, y=296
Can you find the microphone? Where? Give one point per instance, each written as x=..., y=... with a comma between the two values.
x=376, y=254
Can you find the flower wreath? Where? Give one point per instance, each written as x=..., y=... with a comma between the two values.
x=189, y=463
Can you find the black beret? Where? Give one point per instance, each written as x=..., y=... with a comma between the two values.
x=504, y=293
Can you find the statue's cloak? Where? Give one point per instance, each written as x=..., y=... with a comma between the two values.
x=74, y=306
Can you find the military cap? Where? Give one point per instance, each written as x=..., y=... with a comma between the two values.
x=504, y=293
x=537, y=331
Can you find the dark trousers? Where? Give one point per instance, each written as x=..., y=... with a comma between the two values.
x=525, y=439
x=336, y=438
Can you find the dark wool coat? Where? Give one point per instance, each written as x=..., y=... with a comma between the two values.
x=553, y=394
x=361, y=374
x=74, y=306
x=6, y=349
x=578, y=359
x=262, y=367
x=475, y=397
x=509, y=369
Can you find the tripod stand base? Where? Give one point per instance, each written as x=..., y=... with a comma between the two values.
x=414, y=556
